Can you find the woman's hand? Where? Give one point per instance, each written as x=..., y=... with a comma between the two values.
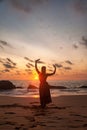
x=54, y=65
x=37, y=60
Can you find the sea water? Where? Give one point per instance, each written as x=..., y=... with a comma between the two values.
x=72, y=88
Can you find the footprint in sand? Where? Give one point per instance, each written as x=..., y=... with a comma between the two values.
x=34, y=125
x=78, y=120
x=9, y=123
x=73, y=126
x=17, y=128
x=78, y=115
x=33, y=102
x=40, y=114
x=85, y=125
x=21, y=127
x=31, y=119
x=10, y=113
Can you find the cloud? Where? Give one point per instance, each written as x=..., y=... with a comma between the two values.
x=84, y=41
x=9, y=66
x=29, y=71
x=69, y=62
x=67, y=68
x=1, y=61
x=80, y=6
x=29, y=65
x=50, y=70
x=1, y=47
x=25, y=5
x=5, y=70
x=8, y=63
x=20, y=5
x=58, y=65
x=75, y=46
x=26, y=58
x=41, y=62
x=4, y=44
x=18, y=72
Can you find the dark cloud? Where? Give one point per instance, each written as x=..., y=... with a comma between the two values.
x=18, y=72
x=5, y=70
x=69, y=62
x=20, y=5
x=8, y=63
x=1, y=47
x=25, y=5
x=29, y=71
x=4, y=44
x=80, y=6
x=61, y=47
x=1, y=60
x=84, y=41
x=75, y=46
x=29, y=65
x=67, y=68
x=50, y=70
x=58, y=65
x=9, y=66
x=26, y=58
x=41, y=62
x=50, y=67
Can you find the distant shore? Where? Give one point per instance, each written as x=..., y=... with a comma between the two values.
x=64, y=113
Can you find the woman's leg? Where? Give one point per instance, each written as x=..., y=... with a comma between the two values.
x=43, y=105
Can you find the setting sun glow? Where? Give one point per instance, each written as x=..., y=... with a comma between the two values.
x=35, y=75
x=35, y=29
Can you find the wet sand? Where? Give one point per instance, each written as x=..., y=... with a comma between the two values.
x=64, y=113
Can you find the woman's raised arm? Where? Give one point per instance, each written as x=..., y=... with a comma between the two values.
x=53, y=71
x=36, y=61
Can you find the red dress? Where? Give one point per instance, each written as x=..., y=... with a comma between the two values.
x=45, y=96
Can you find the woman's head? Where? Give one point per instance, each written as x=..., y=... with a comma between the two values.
x=43, y=69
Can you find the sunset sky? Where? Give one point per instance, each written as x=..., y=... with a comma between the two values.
x=53, y=30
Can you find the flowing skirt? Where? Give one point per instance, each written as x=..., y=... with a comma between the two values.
x=45, y=96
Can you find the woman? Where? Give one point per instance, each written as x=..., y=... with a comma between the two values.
x=44, y=90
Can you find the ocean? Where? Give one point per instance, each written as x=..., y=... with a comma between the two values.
x=72, y=88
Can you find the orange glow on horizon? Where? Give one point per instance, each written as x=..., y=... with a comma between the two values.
x=35, y=75
x=12, y=75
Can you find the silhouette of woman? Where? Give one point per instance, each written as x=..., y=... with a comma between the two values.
x=44, y=90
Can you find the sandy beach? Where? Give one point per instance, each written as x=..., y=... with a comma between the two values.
x=64, y=113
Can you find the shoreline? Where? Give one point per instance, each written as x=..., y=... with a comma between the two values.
x=25, y=113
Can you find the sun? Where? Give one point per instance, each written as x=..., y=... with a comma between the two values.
x=35, y=75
